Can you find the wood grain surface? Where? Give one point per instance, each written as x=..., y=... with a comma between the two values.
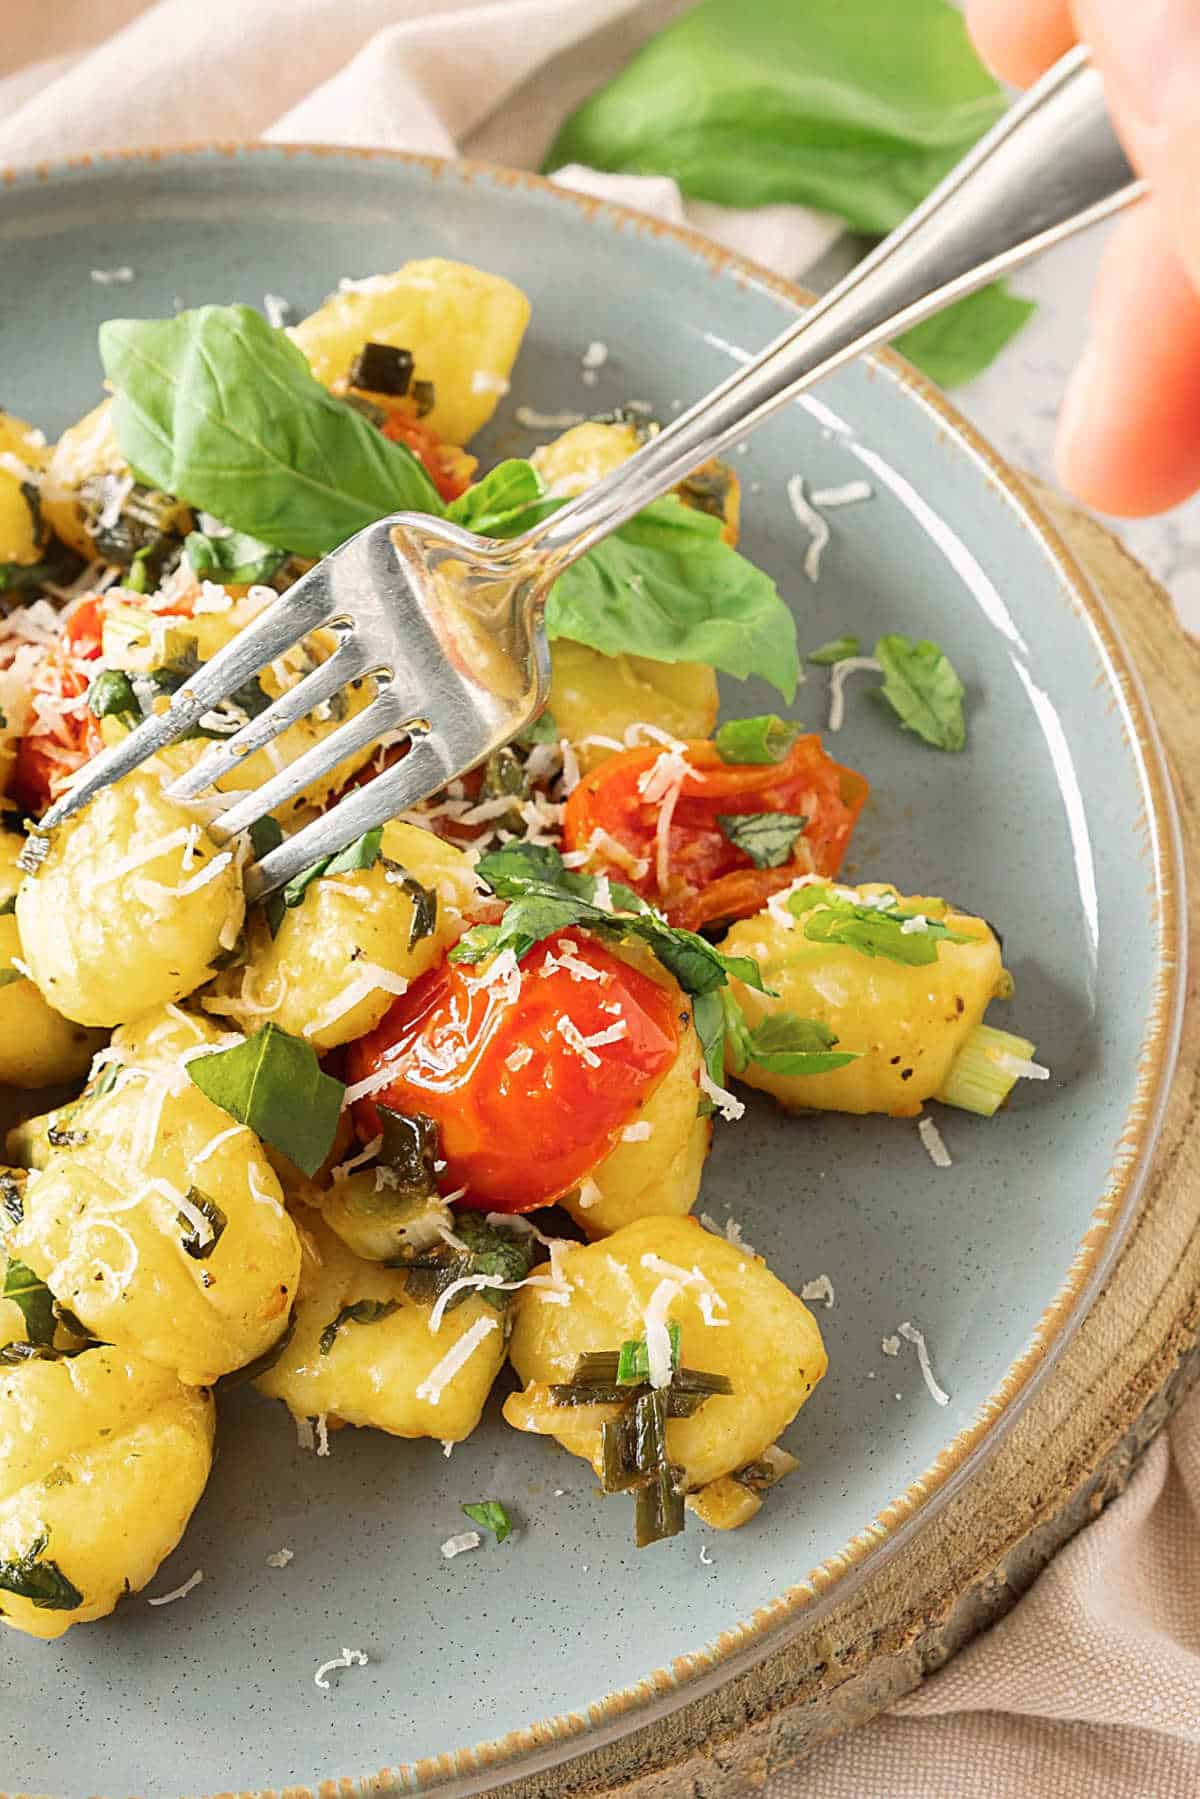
x=1070, y=1452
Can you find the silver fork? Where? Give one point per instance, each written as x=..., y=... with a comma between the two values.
x=449, y=625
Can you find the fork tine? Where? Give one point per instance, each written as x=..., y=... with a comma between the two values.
x=413, y=778
x=348, y=662
x=273, y=632
x=384, y=714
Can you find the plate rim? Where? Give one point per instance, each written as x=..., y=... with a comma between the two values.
x=543, y=1744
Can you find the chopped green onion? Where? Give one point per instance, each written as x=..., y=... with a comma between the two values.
x=982, y=1074
x=633, y=1361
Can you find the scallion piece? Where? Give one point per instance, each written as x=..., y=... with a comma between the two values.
x=985, y=1071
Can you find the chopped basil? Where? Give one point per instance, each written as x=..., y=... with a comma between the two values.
x=873, y=930
x=32, y=1296
x=424, y=902
x=490, y=1515
x=111, y=695
x=362, y=853
x=382, y=369
x=923, y=690
x=783, y=1043
x=274, y=1084
x=490, y=1249
x=363, y=1311
x=838, y=649
x=235, y=560
x=768, y=838
x=41, y=1582
x=764, y=739
x=194, y=1245
x=504, y=503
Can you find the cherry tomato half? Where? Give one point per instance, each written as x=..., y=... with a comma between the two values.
x=446, y=466
x=708, y=877
x=530, y=1076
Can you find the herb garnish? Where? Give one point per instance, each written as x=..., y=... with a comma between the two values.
x=783, y=1043
x=43, y=1583
x=490, y=1249
x=768, y=838
x=766, y=738
x=409, y=1149
x=634, y=1441
x=838, y=649
x=362, y=1311
x=362, y=853
x=923, y=690
x=490, y=1515
x=235, y=560
x=274, y=1084
x=424, y=902
x=32, y=1296
x=877, y=930
x=111, y=695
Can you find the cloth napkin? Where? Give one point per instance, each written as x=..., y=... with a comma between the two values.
x=1091, y=1686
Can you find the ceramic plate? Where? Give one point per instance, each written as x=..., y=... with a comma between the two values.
x=1054, y=825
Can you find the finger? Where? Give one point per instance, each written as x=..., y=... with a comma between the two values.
x=1129, y=429
x=1150, y=59
x=1018, y=39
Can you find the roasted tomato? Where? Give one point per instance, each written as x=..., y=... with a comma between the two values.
x=529, y=1072
x=62, y=733
x=662, y=838
x=449, y=468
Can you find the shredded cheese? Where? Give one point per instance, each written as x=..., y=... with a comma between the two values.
x=848, y=494
x=277, y=310
x=1017, y=1066
x=342, y=1169
x=912, y=1335
x=439, y=1378
x=466, y=1539
x=517, y=1058
x=849, y=665
x=322, y=1434
x=637, y=1133
x=705, y=1559
x=370, y=1083
x=816, y=526
x=547, y=421
x=280, y=1558
x=189, y=1585
x=349, y=1658
x=727, y=1104
x=890, y=1345
x=372, y=978
x=915, y=925
x=589, y=1194
x=574, y=1038
x=658, y=1339
x=819, y=1289
x=934, y=1143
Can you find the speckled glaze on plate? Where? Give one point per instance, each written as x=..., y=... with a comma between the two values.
x=1056, y=824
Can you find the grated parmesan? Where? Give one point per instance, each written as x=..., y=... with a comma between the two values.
x=322, y=1434
x=816, y=526
x=658, y=1339
x=848, y=494
x=1017, y=1066
x=466, y=1539
x=518, y=1057
x=849, y=665
x=277, y=310
x=914, y=925
x=890, y=1345
x=637, y=1133
x=349, y=1658
x=934, y=1143
x=112, y=277
x=189, y=1585
x=589, y=1194
x=340, y=1170
x=912, y=1335
x=280, y=1558
x=819, y=1289
x=705, y=1558
x=547, y=421
x=574, y=1038
x=439, y=1378
x=727, y=1104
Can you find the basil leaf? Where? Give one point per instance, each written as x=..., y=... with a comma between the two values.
x=856, y=109
x=495, y=1250
x=32, y=1296
x=491, y=1515
x=542, y=730
x=424, y=901
x=923, y=690
x=768, y=838
x=786, y=1044
x=508, y=500
x=362, y=853
x=410, y=1149
x=274, y=1084
x=838, y=649
x=873, y=930
x=763, y=739
x=42, y=1583
x=236, y=560
x=218, y=408
x=111, y=695
x=363, y=1311
x=960, y=342
x=666, y=586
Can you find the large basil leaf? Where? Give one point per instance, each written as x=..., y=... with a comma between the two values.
x=219, y=408
x=274, y=1083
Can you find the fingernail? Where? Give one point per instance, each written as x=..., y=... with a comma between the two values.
x=1150, y=55
x=1082, y=420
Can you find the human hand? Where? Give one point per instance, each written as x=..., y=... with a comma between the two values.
x=1129, y=429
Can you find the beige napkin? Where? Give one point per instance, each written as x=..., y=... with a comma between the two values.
x=1092, y=1685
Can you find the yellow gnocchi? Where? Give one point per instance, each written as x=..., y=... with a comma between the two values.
x=762, y=1338
x=131, y=907
x=102, y=1459
x=23, y=457
x=38, y=1046
x=364, y=1353
x=462, y=325
x=595, y=696
x=159, y=1223
x=905, y=1024
x=354, y=942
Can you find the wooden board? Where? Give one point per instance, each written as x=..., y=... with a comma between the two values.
x=1070, y=1452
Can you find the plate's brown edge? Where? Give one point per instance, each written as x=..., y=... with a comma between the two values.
x=459, y=1773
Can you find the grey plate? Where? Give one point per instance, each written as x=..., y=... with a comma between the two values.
x=1055, y=824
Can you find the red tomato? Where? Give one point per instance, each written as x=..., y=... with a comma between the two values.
x=57, y=744
x=446, y=466
x=707, y=877
x=518, y=1131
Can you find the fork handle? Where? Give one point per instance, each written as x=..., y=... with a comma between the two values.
x=1050, y=167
